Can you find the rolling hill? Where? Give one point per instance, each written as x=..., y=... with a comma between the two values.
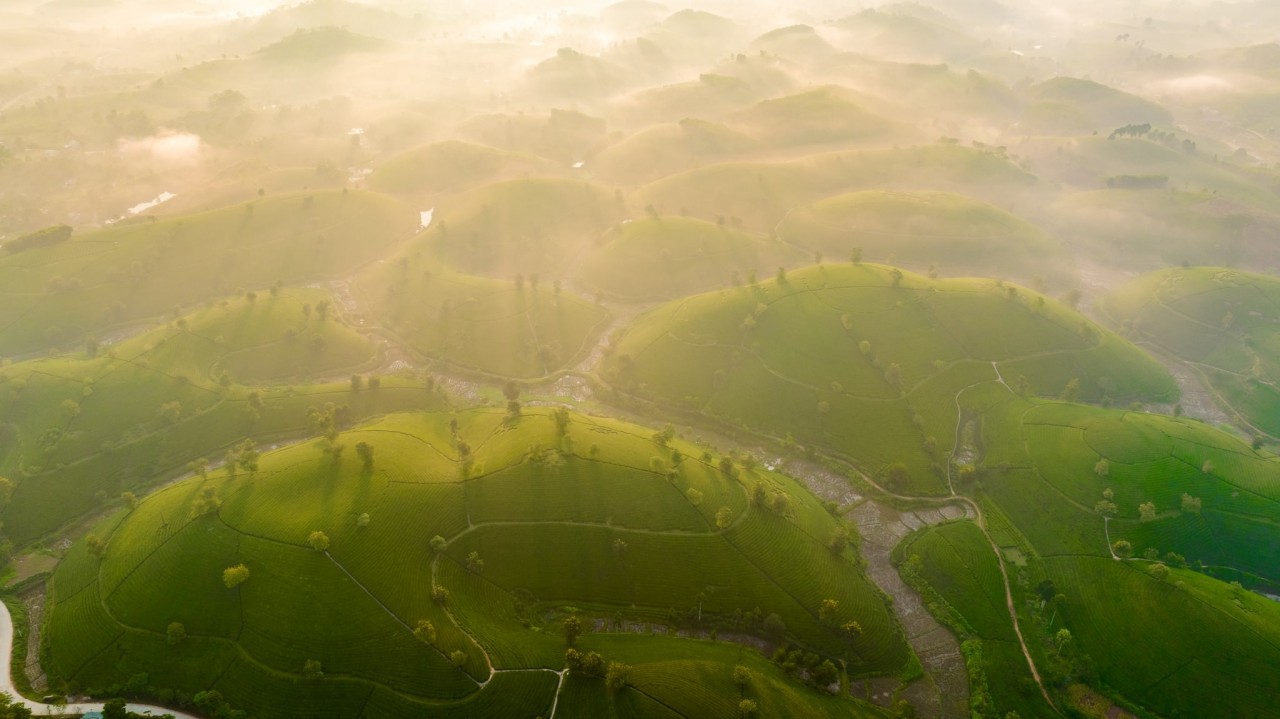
x=867, y=361
x=342, y=568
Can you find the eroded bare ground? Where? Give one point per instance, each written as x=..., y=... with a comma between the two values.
x=1197, y=400
x=882, y=528
x=34, y=600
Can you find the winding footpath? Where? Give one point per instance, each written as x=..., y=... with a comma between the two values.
x=41, y=709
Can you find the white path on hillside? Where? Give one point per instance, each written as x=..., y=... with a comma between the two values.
x=39, y=709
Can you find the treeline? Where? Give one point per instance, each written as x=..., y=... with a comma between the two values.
x=40, y=238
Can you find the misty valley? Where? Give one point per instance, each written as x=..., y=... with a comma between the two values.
x=365, y=359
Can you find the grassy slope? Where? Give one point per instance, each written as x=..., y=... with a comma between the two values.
x=530, y=227
x=349, y=610
x=661, y=150
x=82, y=429
x=99, y=279
x=669, y=257
x=778, y=358
x=1041, y=510
x=761, y=193
x=1147, y=228
x=917, y=229
x=451, y=166
x=476, y=322
x=821, y=116
x=1220, y=320
x=957, y=562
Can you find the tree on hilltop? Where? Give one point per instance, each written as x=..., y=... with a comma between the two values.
x=318, y=540
x=572, y=628
x=1190, y=504
x=365, y=452
x=617, y=676
x=724, y=518
x=175, y=633
x=425, y=631
x=235, y=576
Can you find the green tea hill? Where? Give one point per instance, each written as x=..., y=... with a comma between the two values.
x=953, y=233
x=866, y=361
x=78, y=430
x=59, y=294
x=431, y=569
x=1222, y=322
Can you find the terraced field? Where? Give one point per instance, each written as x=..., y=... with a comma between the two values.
x=59, y=294
x=628, y=525
x=1222, y=322
x=866, y=361
x=81, y=429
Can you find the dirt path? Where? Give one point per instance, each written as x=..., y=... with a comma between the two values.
x=943, y=692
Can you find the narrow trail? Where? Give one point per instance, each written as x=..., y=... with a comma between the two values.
x=1004, y=572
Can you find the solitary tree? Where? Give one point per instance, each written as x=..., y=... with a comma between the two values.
x=113, y=709
x=1062, y=639
x=774, y=627
x=1147, y=511
x=747, y=708
x=694, y=496
x=839, y=539
x=318, y=540
x=617, y=676
x=572, y=628
x=1190, y=504
x=1102, y=467
x=741, y=676
x=458, y=657
x=95, y=545
x=311, y=669
x=175, y=633
x=438, y=544
x=724, y=517
x=363, y=520
x=1122, y=549
x=827, y=609
x=425, y=631
x=365, y=451
x=475, y=564
x=235, y=576
x=356, y=381
x=1158, y=572
x=1071, y=392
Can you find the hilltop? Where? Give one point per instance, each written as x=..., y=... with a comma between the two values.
x=59, y=294
x=342, y=567
x=866, y=361
x=1220, y=321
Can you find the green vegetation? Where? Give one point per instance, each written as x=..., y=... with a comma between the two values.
x=1177, y=493
x=447, y=167
x=529, y=227
x=522, y=327
x=1069, y=106
x=667, y=257
x=866, y=361
x=285, y=600
x=954, y=569
x=760, y=194
x=1221, y=322
x=956, y=234
x=79, y=430
x=55, y=295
